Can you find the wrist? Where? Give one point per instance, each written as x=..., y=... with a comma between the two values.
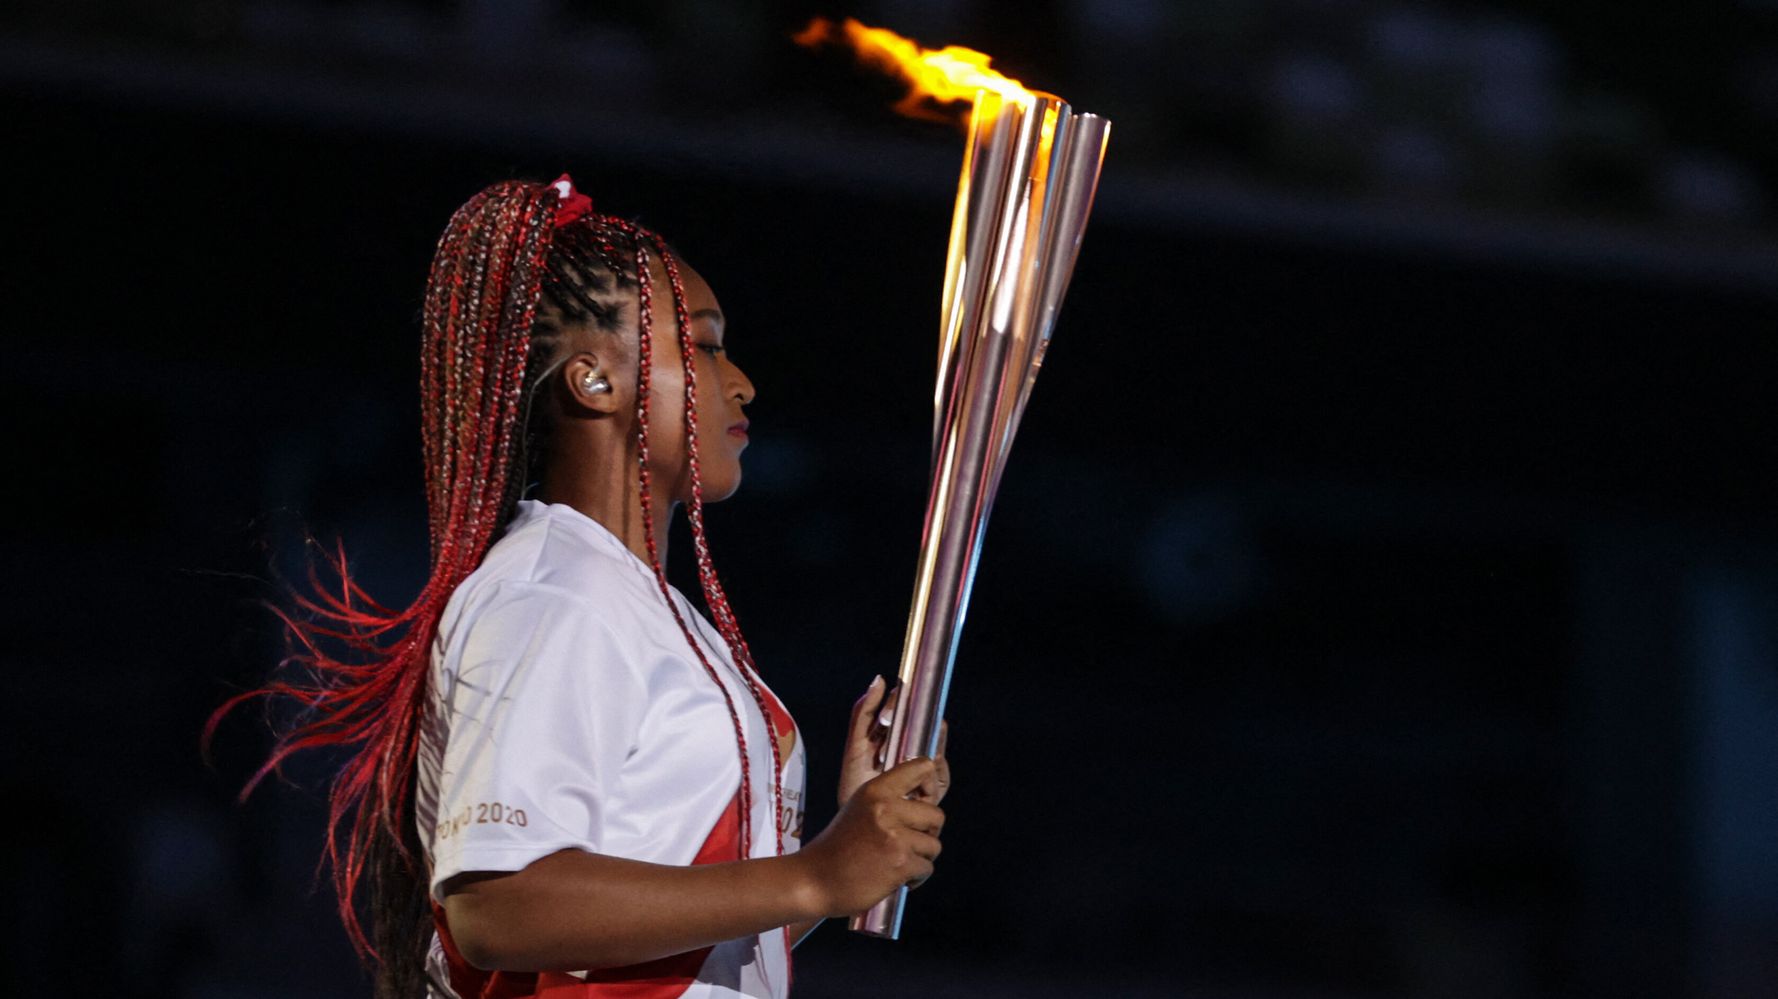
x=807, y=889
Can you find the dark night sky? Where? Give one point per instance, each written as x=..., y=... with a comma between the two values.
x=1333, y=615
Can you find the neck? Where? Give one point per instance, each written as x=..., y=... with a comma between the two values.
x=610, y=496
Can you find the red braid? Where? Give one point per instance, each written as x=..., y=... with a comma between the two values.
x=478, y=322
x=645, y=339
x=365, y=665
x=714, y=596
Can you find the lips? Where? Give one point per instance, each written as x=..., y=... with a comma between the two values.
x=740, y=429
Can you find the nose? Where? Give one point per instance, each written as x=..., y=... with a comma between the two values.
x=740, y=386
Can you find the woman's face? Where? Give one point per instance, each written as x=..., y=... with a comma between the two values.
x=722, y=390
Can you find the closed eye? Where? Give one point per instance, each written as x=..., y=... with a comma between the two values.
x=713, y=349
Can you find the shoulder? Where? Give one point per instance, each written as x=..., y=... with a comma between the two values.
x=555, y=589
x=526, y=642
x=557, y=559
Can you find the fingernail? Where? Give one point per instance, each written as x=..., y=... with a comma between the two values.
x=885, y=714
x=875, y=683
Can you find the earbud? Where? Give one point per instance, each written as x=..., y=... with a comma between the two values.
x=594, y=384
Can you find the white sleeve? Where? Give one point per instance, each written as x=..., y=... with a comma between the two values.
x=541, y=708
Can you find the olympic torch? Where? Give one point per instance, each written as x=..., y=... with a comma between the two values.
x=1030, y=168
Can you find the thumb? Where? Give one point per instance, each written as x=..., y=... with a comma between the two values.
x=864, y=713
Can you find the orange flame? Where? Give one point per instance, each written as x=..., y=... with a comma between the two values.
x=946, y=75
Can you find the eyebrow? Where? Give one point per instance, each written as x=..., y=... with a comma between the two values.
x=714, y=315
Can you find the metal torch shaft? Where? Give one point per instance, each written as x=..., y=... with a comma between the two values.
x=991, y=232
x=958, y=498
x=982, y=191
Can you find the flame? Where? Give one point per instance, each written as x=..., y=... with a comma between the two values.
x=946, y=75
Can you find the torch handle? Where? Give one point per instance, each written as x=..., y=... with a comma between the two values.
x=958, y=507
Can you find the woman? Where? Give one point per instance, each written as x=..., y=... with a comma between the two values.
x=563, y=775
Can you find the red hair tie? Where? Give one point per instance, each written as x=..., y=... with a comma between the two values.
x=573, y=204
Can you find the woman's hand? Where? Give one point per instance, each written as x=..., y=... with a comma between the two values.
x=882, y=838
x=867, y=739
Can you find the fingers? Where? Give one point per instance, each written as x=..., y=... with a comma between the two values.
x=923, y=816
x=905, y=778
x=864, y=712
x=891, y=701
x=879, y=732
x=923, y=866
x=941, y=777
x=925, y=847
x=918, y=868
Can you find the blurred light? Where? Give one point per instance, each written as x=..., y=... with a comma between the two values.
x=1413, y=39
x=777, y=463
x=1315, y=88
x=1514, y=111
x=1134, y=21
x=1702, y=186
x=1197, y=560
x=1734, y=626
x=1514, y=95
x=1508, y=50
x=178, y=860
x=1414, y=160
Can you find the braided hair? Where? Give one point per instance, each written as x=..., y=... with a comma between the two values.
x=517, y=264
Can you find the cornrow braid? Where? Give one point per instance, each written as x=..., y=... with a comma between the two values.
x=358, y=670
x=585, y=281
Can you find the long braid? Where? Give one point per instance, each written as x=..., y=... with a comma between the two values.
x=601, y=251
x=362, y=667
x=645, y=340
x=714, y=596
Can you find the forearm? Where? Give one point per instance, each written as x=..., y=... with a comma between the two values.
x=574, y=910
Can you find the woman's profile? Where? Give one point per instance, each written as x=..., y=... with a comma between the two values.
x=563, y=780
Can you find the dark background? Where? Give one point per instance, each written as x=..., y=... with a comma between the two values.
x=1382, y=598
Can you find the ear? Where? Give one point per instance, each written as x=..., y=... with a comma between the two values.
x=590, y=384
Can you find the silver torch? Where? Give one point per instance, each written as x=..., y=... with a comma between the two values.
x=1029, y=172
